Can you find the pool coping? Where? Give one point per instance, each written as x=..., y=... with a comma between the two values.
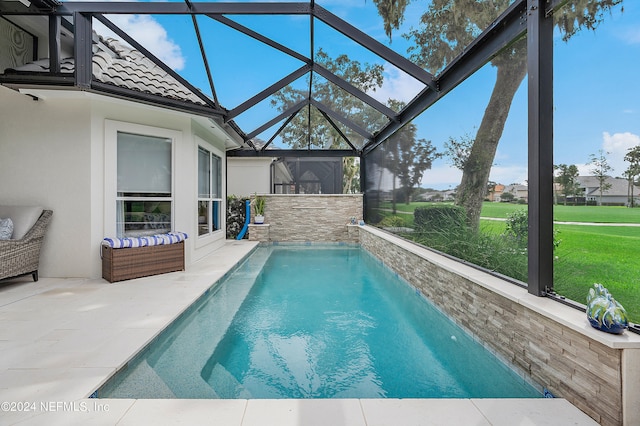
x=63, y=338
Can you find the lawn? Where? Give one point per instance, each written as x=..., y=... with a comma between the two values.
x=599, y=254
x=597, y=214
x=587, y=254
x=594, y=254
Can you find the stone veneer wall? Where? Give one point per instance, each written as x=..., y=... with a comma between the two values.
x=313, y=217
x=571, y=365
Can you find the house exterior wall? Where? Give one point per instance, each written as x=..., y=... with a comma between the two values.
x=247, y=176
x=54, y=152
x=45, y=152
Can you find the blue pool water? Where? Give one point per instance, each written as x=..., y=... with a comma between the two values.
x=309, y=322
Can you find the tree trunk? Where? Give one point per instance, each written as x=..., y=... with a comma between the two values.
x=393, y=195
x=478, y=166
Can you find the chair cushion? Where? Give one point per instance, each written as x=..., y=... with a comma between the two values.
x=6, y=229
x=23, y=218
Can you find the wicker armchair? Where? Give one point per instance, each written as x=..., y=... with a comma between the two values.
x=21, y=257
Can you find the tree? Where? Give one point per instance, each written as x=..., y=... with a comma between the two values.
x=458, y=150
x=600, y=169
x=566, y=178
x=412, y=156
x=298, y=134
x=350, y=176
x=632, y=157
x=446, y=28
x=507, y=197
x=310, y=129
x=408, y=157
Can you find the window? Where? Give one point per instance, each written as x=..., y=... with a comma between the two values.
x=144, y=185
x=209, y=192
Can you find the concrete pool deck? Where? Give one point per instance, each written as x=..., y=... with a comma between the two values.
x=61, y=339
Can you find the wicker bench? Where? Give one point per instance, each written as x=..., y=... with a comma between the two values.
x=125, y=263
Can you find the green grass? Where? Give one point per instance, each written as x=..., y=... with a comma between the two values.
x=597, y=214
x=587, y=254
x=594, y=254
x=599, y=254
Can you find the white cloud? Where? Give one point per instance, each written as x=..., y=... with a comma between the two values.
x=617, y=145
x=441, y=177
x=632, y=36
x=509, y=174
x=150, y=34
x=397, y=85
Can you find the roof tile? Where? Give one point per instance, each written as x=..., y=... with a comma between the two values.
x=120, y=65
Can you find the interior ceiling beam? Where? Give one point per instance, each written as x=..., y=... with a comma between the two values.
x=337, y=129
x=268, y=91
x=280, y=129
x=203, y=54
x=351, y=89
x=55, y=23
x=82, y=43
x=375, y=46
x=197, y=8
x=275, y=153
x=339, y=117
x=289, y=111
x=253, y=34
x=504, y=31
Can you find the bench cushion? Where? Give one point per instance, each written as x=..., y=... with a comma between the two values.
x=152, y=240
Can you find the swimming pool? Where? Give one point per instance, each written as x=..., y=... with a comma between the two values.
x=315, y=322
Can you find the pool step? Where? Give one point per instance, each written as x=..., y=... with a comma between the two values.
x=225, y=384
x=143, y=382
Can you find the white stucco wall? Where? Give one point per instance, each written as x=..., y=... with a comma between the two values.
x=247, y=176
x=45, y=161
x=52, y=153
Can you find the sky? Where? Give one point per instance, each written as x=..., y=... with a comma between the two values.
x=596, y=95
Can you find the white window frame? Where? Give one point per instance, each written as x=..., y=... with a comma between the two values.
x=201, y=143
x=112, y=128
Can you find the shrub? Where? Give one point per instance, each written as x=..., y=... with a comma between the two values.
x=487, y=250
x=235, y=215
x=436, y=217
x=518, y=227
x=392, y=222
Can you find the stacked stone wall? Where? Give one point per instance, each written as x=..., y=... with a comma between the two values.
x=569, y=364
x=315, y=217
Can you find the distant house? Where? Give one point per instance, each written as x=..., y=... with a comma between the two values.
x=618, y=194
x=495, y=193
x=520, y=192
x=273, y=175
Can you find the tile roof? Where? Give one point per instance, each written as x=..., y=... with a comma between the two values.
x=120, y=65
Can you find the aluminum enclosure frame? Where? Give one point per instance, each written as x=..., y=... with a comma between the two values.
x=530, y=17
